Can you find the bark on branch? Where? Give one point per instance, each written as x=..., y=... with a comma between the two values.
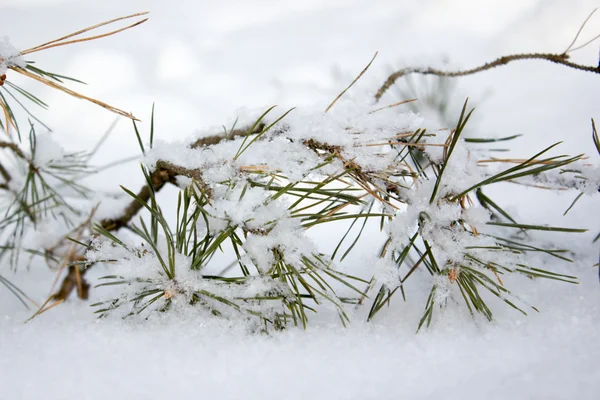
x=164, y=173
x=562, y=59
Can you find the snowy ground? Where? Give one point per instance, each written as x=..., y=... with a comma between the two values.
x=201, y=61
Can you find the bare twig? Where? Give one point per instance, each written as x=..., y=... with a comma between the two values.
x=585, y=44
x=561, y=59
x=14, y=148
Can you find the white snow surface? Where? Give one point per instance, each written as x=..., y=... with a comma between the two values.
x=201, y=61
x=551, y=355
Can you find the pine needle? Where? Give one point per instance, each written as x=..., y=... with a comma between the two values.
x=70, y=92
x=353, y=82
x=62, y=40
x=570, y=49
x=393, y=105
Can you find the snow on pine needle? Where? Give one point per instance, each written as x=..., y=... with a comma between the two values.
x=12, y=60
x=9, y=56
x=43, y=199
x=256, y=194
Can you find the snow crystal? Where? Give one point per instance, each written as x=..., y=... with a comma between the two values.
x=243, y=206
x=288, y=236
x=442, y=288
x=476, y=216
x=580, y=176
x=47, y=150
x=9, y=56
x=386, y=272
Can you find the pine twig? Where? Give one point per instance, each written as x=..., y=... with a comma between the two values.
x=164, y=173
x=562, y=59
x=14, y=148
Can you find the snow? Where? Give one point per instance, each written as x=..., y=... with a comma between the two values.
x=47, y=150
x=259, y=53
x=9, y=56
x=550, y=355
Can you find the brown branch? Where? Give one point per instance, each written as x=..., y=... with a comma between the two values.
x=3, y=171
x=73, y=279
x=15, y=149
x=562, y=59
x=359, y=176
x=72, y=257
x=6, y=176
x=214, y=139
x=158, y=178
x=165, y=172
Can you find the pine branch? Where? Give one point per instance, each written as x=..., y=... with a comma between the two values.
x=14, y=148
x=165, y=173
x=562, y=59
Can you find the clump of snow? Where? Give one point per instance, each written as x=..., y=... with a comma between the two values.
x=288, y=236
x=386, y=272
x=9, y=56
x=47, y=150
x=138, y=269
x=442, y=284
x=580, y=176
x=591, y=180
x=476, y=216
x=248, y=207
x=360, y=135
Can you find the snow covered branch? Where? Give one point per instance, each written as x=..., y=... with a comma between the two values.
x=238, y=240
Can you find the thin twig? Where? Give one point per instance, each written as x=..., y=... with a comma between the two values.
x=561, y=59
x=15, y=149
